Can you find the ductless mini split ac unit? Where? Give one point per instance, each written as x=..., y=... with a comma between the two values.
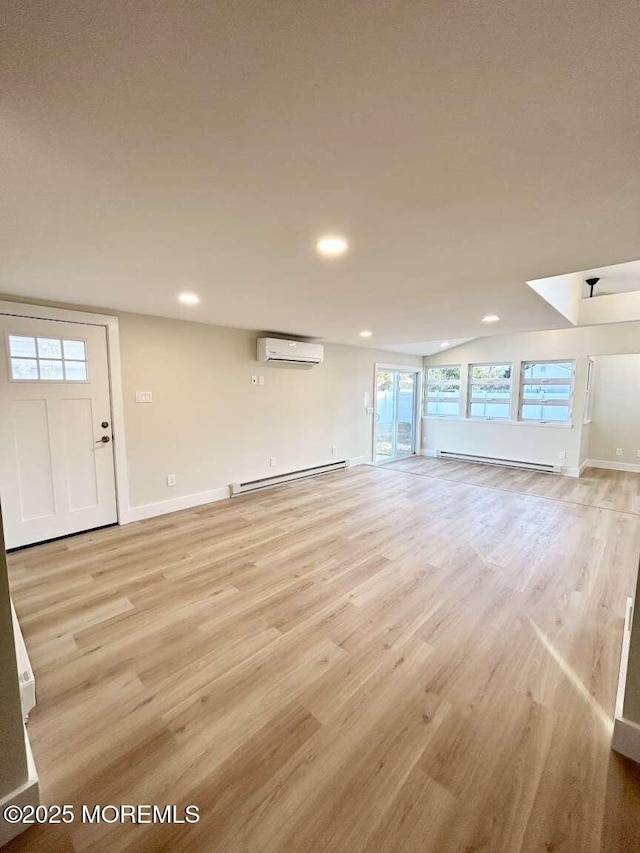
x=289, y=352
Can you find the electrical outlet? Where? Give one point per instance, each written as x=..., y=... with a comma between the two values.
x=638, y=453
x=369, y=410
x=562, y=454
x=618, y=451
x=171, y=479
x=254, y=380
x=334, y=450
x=260, y=380
x=272, y=461
x=144, y=397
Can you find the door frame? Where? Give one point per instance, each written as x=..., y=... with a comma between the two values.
x=378, y=365
x=110, y=323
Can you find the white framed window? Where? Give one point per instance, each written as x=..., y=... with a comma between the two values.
x=442, y=391
x=33, y=359
x=490, y=391
x=546, y=391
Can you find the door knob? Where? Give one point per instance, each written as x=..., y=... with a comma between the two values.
x=105, y=439
x=104, y=424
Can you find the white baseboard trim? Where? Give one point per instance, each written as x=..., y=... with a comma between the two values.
x=575, y=472
x=626, y=738
x=571, y=472
x=138, y=513
x=357, y=460
x=28, y=794
x=632, y=467
x=624, y=657
x=626, y=733
x=426, y=451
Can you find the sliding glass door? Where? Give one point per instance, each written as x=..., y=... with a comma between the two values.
x=396, y=413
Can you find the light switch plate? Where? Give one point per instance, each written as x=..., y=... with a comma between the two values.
x=144, y=397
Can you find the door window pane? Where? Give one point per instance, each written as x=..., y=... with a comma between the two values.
x=49, y=348
x=22, y=347
x=51, y=371
x=75, y=371
x=40, y=359
x=74, y=350
x=24, y=368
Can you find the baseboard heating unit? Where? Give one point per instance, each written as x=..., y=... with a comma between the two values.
x=278, y=479
x=504, y=463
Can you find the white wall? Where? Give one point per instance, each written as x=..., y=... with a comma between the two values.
x=210, y=426
x=616, y=409
x=610, y=308
x=563, y=292
x=533, y=443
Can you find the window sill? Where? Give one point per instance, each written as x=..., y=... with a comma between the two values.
x=505, y=421
x=444, y=418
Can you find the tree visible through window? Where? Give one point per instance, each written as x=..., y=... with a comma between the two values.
x=443, y=391
x=490, y=391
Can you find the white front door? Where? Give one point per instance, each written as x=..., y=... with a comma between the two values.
x=56, y=457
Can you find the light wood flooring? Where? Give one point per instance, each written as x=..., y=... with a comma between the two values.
x=618, y=490
x=367, y=662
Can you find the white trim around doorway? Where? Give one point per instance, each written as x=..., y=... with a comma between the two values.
x=67, y=315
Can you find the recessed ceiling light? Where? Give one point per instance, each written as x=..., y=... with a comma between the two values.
x=366, y=333
x=331, y=246
x=490, y=318
x=444, y=344
x=189, y=298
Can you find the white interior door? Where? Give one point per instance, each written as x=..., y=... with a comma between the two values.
x=56, y=459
